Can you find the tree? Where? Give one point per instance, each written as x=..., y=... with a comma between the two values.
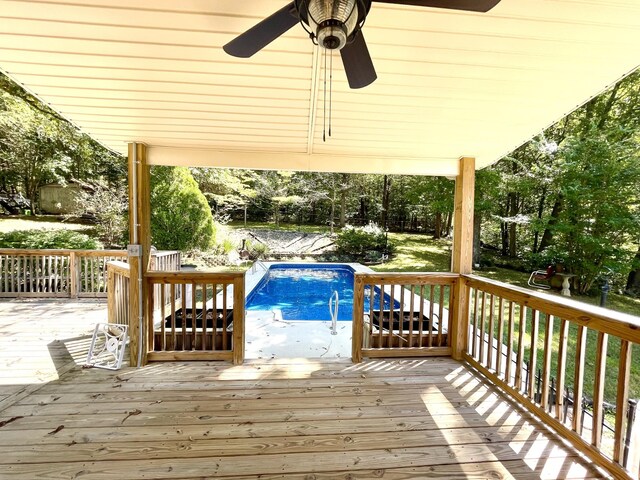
x=109, y=208
x=37, y=146
x=180, y=215
x=601, y=180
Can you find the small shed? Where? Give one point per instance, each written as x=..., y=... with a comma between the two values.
x=59, y=199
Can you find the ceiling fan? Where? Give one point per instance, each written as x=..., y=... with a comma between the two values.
x=335, y=25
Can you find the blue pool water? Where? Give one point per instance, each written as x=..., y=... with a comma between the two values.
x=302, y=291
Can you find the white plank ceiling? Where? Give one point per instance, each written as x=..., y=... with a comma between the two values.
x=450, y=83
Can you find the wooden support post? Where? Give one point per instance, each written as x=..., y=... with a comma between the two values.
x=74, y=276
x=139, y=234
x=358, y=320
x=238, y=320
x=111, y=296
x=462, y=254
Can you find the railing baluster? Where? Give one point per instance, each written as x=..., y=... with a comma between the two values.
x=431, y=301
x=205, y=316
x=412, y=313
x=546, y=363
x=482, y=331
x=401, y=316
x=474, y=330
x=509, y=359
x=533, y=353
x=520, y=355
x=441, y=315
x=578, y=383
x=163, y=338
x=562, y=362
x=381, y=316
x=369, y=340
x=224, y=304
x=194, y=316
x=173, y=317
x=392, y=304
x=622, y=399
x=489, y=361
x=598, y=388
x=500, y=341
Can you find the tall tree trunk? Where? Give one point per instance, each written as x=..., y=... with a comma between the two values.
x=547, y=236
x=437, y=226
x=504, y=238
x=386, y=200
x=363, y=210
x=536, y=235
x=333, y=207
x=513, y=227
x=477, y=226
x=343, y=200
x=449, y=223
x=633, y=280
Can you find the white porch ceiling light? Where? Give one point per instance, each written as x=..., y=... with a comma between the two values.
x=333, y=21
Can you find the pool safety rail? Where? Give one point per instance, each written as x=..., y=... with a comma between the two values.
x=334, y=304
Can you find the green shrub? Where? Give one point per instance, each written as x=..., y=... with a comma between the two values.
x=257, y=250
x=38, y=239
x=180, y=215
x=362, y=242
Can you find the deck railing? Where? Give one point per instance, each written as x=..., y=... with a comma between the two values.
x=118, y=278
x=165, y=261
x=514, y=333
x=55, y=272
x=402, y=314
x=201, y=318
x=49, y=273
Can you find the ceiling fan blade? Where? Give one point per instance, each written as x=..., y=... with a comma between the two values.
x=357, y=62
x=263, y=33
x=469, y=5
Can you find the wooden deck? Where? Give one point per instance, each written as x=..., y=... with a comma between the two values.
x=280, y=419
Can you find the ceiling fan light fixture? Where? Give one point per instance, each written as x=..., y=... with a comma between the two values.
x=333, y=21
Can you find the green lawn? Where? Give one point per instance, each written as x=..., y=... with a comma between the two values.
x=40, y=222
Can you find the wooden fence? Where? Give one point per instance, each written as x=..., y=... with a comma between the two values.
x=514, y=332
x=201, y=318
x=402, y=314
x=64, y=272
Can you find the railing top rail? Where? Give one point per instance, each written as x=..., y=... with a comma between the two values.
x=62, y=251
x=198, y=277
x=164, y=253
x=120, y=268
x=618, y=324
x=416, y=278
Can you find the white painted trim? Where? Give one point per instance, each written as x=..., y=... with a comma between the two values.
x=203, y=157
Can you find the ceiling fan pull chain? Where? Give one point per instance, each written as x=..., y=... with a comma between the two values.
x=324, y=98
x=330, y=88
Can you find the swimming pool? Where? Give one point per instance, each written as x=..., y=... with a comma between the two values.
x=302, y=291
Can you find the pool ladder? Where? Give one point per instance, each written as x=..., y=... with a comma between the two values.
x=333, y=311
x=257, y=264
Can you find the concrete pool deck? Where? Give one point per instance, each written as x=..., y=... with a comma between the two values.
x=267, y=336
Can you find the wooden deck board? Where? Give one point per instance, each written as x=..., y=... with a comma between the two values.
x=284, y=419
